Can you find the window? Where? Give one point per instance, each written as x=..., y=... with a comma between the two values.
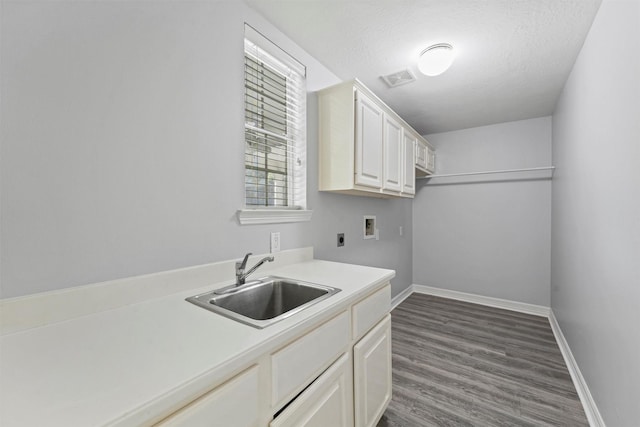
x=274, y=127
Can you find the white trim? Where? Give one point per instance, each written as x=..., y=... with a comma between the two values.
x=589, y=405
x=536, y=310
x=395, y=301
x=273, y=216
x=258, y=39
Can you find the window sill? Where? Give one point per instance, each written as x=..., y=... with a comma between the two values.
x=272, y=216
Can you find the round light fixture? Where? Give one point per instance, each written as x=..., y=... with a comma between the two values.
x=435, y=59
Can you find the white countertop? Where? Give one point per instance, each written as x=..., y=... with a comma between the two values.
x=121, y=366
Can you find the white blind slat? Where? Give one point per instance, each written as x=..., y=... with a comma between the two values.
x=275, y=134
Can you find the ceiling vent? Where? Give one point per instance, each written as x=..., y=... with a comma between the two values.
x=400, y=78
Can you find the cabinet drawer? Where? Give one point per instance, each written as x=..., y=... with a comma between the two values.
x=327, y=402
x=370, y=310
x=234, y=403
x=293, y=367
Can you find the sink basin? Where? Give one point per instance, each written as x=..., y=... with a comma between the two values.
x=262, y=302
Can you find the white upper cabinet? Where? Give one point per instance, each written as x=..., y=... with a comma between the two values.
x=392, y=142
x=369, y=146
x=431, y=160
x=421, y=155
x=362, y=148
x=425, y=158
x=408, y=163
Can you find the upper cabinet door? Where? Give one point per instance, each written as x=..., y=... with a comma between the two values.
x=392, y=142
x=431, y=160
x=421, y=154
x=368, y=148
x=408, y=164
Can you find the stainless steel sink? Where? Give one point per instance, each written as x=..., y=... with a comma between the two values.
x=262, y=302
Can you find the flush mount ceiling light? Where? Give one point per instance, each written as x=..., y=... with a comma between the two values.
x=435, y=59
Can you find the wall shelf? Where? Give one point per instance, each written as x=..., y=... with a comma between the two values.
x=548, y=169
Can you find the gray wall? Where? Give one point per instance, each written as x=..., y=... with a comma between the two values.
x=595, y=274
x=338, y=213
x=122, y=147
x=488, y=235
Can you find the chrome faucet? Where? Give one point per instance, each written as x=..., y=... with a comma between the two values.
x=241, y=276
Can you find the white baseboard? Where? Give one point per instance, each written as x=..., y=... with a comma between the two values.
x=401, y=297
x=536, y=310
x=589, y=405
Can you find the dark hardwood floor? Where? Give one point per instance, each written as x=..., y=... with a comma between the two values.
x=462, y=364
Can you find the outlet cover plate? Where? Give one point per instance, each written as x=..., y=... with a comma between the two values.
x=275, y=242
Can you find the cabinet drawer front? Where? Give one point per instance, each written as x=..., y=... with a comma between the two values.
x=327, y=402
x=234, y=403
x=293, y=367
x=369, y=311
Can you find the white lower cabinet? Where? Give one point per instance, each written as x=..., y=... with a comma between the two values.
x=234, y=403
x=316, y=379
x=367, y=313
x=327, y=402
x=297, y=364
x=372, y=374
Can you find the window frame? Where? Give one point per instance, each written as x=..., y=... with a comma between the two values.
x=296, y=174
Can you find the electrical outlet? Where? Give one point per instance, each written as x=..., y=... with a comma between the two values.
x=275, y=242
x=400, y=230
x=340, y=239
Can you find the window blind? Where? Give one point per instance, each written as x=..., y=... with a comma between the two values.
x=275, y=130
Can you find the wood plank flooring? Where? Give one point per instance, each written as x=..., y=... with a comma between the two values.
x=462, y=364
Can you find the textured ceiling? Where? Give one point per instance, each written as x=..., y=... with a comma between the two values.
x=513, y=56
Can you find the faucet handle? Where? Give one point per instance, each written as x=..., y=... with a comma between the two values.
x=241, y=265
